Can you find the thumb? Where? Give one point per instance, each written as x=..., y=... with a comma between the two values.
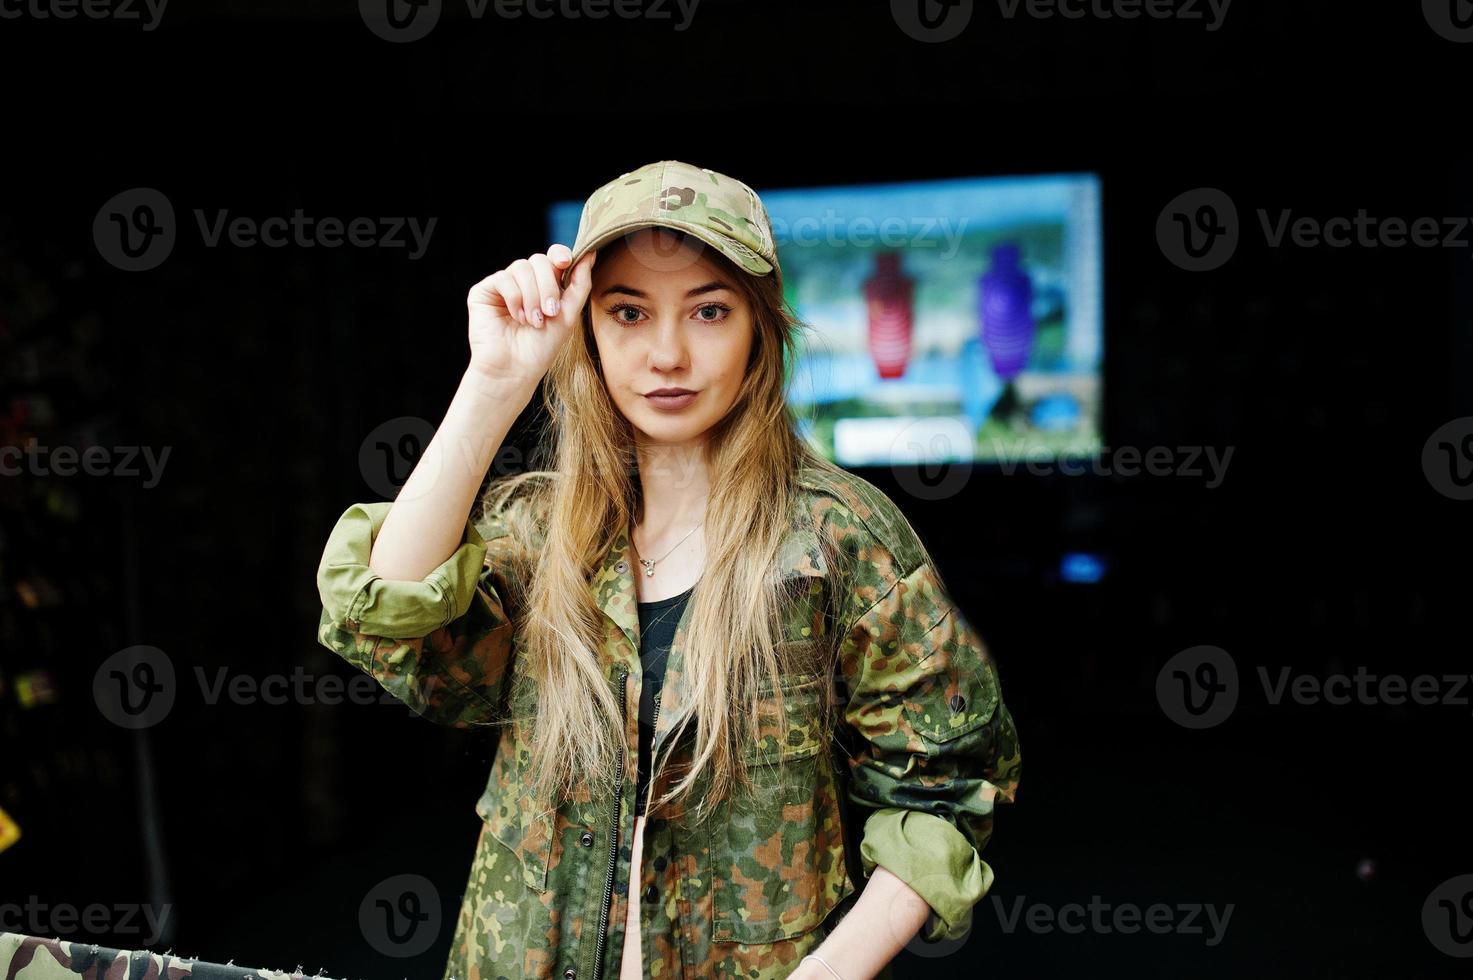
x=579, y=284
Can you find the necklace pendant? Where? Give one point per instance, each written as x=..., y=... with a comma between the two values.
x=649, y=567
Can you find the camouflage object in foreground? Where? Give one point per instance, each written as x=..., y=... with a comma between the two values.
x=32, y=958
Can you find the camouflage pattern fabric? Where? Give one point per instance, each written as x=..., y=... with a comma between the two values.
x=717, y=209
x=32, y=958
x=766, y=878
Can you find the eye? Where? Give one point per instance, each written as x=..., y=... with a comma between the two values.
x=619, y=308
x=721, y=308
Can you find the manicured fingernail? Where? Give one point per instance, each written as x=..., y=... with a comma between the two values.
x=537, y=315
x=550, y=304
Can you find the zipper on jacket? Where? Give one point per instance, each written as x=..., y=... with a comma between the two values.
x=603, y=915
x=650, y=762
x=652, y=723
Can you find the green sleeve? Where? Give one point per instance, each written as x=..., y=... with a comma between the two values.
x=441, y=645
x=930, y=855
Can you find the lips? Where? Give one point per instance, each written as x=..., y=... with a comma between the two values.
x=671, y=399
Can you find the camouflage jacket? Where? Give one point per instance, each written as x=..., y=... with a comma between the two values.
x=749, y=892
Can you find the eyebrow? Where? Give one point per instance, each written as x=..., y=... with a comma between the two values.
x=709, y=287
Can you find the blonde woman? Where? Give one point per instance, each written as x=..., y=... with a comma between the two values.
x=744, y=730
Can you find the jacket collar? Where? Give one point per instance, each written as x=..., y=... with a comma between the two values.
x=613, y=588
x=614, y=591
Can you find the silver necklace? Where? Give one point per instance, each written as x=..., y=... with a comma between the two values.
x=649, y=563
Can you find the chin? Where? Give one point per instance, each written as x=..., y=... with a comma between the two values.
x=661, y=428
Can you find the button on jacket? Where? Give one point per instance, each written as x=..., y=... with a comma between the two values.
x=928, y=748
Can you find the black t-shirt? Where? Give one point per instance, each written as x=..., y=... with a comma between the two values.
x=657, y=623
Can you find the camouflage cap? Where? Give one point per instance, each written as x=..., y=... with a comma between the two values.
x=719, y=210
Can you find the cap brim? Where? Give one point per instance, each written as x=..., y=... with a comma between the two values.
x=722, y=245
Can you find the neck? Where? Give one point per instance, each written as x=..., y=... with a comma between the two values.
x=674, y=481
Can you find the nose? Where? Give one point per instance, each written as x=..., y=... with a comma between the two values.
x=668, y=348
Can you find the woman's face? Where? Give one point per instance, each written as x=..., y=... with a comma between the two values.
x=668, y=318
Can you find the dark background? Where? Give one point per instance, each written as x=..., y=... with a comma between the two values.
x=1326, y=370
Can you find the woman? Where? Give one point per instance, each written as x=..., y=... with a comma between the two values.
x=687, y=595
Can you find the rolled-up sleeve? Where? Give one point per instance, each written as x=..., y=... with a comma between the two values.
x=441, y=645
x=938, y=749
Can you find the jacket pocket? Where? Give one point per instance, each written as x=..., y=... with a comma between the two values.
x=958, y=694
x=507, y=808
x=777, y=849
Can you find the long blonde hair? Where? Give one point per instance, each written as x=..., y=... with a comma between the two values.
x=755, y=453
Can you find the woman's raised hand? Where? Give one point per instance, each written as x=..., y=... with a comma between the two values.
x=519, y=316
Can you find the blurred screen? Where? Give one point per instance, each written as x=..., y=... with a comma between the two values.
x=950, y=320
